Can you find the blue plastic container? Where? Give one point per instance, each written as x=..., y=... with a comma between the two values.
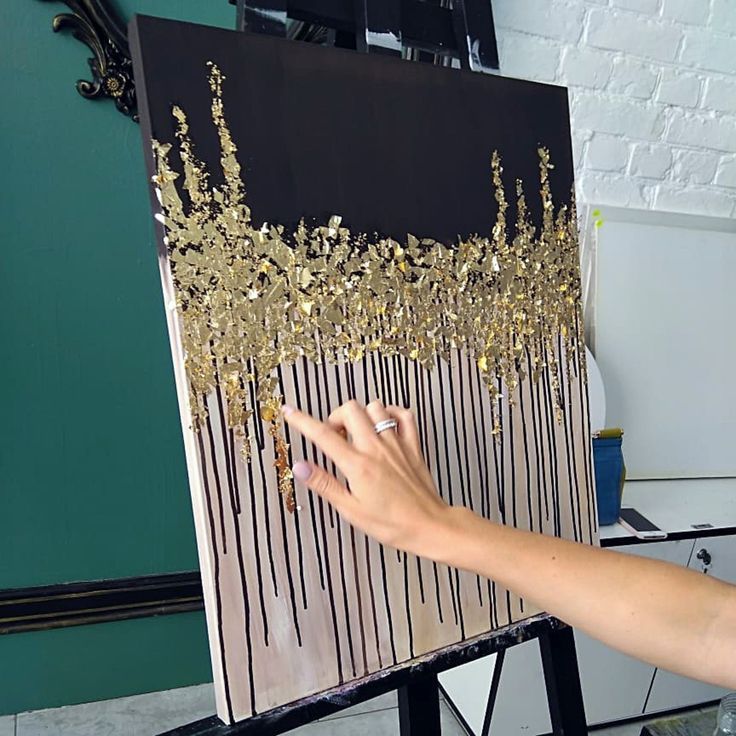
x=608, y=461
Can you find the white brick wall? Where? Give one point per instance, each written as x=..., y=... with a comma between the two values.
x=652, y=87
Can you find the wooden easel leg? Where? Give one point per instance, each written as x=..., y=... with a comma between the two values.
x=419, y=708
x=562, y=679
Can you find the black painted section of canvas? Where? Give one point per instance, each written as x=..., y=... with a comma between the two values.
x=393, y=146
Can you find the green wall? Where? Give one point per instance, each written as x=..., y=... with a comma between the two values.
x=83, y=663
x=92, y=476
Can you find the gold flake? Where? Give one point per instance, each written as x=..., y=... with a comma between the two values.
x=283, y=470
x=252, y=297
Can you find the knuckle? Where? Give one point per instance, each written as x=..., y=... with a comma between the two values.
x=352, y=405
x=375, y=404
x=322, y=483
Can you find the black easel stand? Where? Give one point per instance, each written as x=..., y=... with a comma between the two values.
x=416, y=682
x=562, y=680
x=419, y=707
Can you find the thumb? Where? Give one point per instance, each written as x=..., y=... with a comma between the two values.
x=321, y=482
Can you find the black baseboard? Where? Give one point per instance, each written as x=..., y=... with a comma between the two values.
x=74, y=604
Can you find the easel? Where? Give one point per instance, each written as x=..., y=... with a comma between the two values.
x=463, y=33
x=418, y=689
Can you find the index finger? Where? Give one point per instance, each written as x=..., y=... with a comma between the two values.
x=351, y=417
x=331, y=442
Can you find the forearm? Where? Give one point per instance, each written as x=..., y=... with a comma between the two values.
x=669, y=616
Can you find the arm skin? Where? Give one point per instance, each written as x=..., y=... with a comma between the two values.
x=658, y=612
x=663, y=614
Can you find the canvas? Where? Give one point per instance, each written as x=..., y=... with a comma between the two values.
x=334, y=225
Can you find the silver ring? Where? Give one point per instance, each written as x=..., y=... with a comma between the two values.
x=385, y=424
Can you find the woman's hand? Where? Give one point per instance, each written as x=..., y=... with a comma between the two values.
x=673, y=618
x=391, y=495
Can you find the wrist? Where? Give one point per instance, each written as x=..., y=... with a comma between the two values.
x=449, y=539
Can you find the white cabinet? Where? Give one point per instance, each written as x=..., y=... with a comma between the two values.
x=614, y=686
x=713, y=556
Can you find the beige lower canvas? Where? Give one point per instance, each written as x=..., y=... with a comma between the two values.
x=301, y=603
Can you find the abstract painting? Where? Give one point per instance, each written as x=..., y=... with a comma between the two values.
x=331, y=226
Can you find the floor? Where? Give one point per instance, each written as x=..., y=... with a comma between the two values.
x=153, y=713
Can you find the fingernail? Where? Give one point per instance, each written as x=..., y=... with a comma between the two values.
x=301, y=470
x=286, y=410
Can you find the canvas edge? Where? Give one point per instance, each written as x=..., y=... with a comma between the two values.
x=194, y=471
